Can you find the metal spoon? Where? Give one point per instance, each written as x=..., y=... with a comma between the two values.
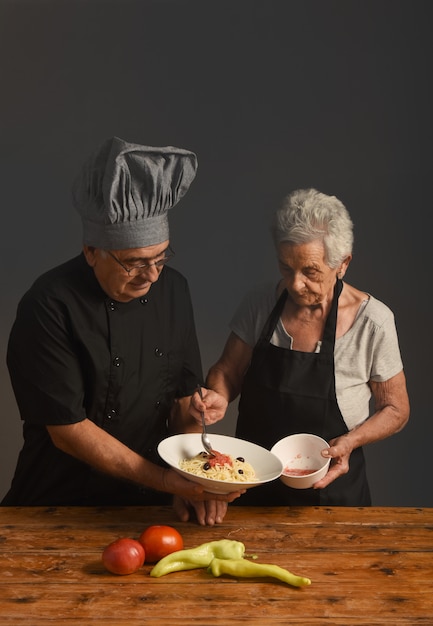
x=204, y=436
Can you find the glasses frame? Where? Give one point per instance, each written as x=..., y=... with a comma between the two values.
x=139, y=268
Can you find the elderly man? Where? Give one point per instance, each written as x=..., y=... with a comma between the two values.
x=103, y=355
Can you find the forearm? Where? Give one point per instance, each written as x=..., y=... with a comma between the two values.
x=227, y=386
x=380, y=425
x=87, y=442
x=227, y=374
x=92, y=445
x=390, y=415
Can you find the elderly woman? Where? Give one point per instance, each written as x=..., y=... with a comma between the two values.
x=308, y=353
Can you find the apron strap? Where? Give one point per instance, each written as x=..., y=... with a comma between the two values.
x=328, y=341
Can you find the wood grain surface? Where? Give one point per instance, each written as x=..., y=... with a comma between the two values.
x=367, y=565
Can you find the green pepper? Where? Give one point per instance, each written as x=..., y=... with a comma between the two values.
x=248, y=569
x=198, y=557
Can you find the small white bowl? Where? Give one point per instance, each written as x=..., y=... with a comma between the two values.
x=301, y=453
x=266, y=465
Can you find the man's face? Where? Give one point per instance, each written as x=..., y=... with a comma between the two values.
x=119, y=272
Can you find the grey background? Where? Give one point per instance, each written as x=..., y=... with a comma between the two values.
x=272, y=95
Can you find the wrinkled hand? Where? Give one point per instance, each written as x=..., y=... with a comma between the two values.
x=207, y=513
x=340, y=452
x=213, y=405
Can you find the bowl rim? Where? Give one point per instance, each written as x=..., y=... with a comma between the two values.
x=305, y=477
x=296, y=435
x=238, y=484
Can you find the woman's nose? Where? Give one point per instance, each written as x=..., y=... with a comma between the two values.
x=296, y=281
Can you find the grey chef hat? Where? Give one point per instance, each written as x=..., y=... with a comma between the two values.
x=124, y=191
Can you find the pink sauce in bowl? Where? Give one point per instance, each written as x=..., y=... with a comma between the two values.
x=293, y=471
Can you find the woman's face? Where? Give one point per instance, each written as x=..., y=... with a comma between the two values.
x=115, y=280
x=306, y=276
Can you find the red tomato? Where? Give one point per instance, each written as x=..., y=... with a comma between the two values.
x=158, y=541
x=123, y=556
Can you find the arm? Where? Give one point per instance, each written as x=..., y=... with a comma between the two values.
x=227, y=375
x=87, y=442
x=391, y=414
x=224, y=381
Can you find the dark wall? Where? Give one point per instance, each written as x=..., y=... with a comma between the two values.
x=272, y=95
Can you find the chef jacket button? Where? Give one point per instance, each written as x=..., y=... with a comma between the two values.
x=111, y=414
x=144, y=300
x=112, y=305
x=157, y=404
x=116, y=361
x=158, y=352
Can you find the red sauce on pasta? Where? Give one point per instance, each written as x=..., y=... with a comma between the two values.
x=219, y=459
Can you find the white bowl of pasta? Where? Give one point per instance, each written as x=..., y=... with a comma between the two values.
x=239, y=464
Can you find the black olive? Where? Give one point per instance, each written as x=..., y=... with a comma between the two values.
x=240, y=458
x=206, y=466
x=240, y=471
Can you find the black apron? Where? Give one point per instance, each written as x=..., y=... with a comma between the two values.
x=287, y=392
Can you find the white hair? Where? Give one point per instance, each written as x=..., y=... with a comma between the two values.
x=307, y=215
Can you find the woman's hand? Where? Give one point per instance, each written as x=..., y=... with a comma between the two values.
x=213, y=405
x=339, y=451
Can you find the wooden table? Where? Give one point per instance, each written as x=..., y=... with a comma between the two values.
x=367, y=566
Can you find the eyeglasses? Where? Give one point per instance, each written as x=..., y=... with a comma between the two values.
x=136, y=269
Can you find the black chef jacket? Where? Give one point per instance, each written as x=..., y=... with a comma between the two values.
x=74, y=353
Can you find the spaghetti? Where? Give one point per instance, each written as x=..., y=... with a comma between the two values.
x=219, y=467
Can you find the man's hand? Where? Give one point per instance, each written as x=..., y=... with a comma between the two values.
x=174, y=483
x=207, y=513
